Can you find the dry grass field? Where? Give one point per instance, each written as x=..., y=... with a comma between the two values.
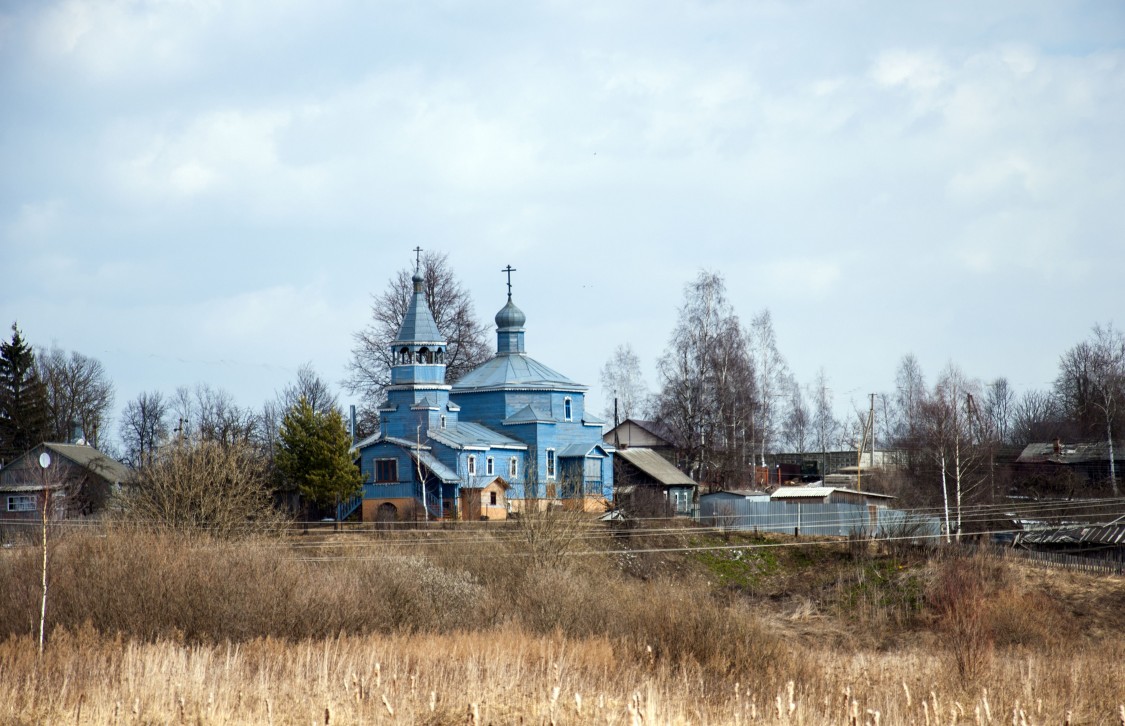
x=465, y=626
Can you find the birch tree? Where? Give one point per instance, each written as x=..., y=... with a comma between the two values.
x=825, y=426
x=707, y=386
x=623, y=382
x=770, y=375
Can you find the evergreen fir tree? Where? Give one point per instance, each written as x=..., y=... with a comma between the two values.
x=24, y=413
x=313, y=453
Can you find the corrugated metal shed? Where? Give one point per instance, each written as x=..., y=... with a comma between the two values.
x=789, y=492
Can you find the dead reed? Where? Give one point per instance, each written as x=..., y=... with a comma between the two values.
x=154, y=628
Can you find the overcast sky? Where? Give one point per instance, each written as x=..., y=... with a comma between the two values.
x=210, y=191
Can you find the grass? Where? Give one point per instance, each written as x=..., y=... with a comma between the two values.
x=458, y=627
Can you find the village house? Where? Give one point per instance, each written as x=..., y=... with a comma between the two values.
x=78, y=480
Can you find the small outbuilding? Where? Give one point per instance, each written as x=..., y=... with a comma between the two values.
x=828, y=495
x=645, y=480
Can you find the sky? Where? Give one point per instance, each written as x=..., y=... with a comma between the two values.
x=206, y=191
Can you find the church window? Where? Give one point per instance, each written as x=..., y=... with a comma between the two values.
x=513, y=467
x=492, y=499
x=471, y=465
x=386, y=470
x=550, y=463
x=489, y=466
x=443, y=421
x=567, y=412
x=404, y=355
x=439, y=355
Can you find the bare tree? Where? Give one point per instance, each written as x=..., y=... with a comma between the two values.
x=79, y=393
x=309, y=386
x=825, y=426
x=999, y=400
x=206, y=486
x=910, y=394
x=623, y=381
x=1091, y=387
x=1035, y=417
x=369, y=371
x=797, y=427
x=211, y=414
x=144, y=427
x=948, y=436
x=707, y=384
x=770, y=375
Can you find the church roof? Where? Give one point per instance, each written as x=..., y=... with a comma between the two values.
x=440, y=470
x=510, y=316
x=515, y=370
x=418, y=324
x=578, y=451
x=466, y=435
x=526, y=415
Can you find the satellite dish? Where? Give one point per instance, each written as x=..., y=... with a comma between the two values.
x=44, y=460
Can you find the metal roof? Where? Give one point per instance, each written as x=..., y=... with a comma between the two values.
x=819, y=492
x=88, y=458
x=418, y=324
x=655, y=466
x=515, y=370
x=527, y=414
x=1060, y=453
x=578, y=451
x=1112, y=534
x=467, y=435
x=440, y=470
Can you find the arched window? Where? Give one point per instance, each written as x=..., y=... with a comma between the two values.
x=439, y=356
x=443, y=421
x=471, y=465
x=425, y=356
x=567, y=411
x=404, y=355
x=513, y=467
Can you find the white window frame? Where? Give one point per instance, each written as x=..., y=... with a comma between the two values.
x=21, y=502
x=513, y=467
x=552, y=464
x=489, y=466
x=471, y=465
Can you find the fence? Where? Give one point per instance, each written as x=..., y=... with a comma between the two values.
x=1092, y=564
x=816, y=519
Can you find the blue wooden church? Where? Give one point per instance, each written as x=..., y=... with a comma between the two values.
x=511, y=435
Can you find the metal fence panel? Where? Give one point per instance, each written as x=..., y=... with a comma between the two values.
x=815, y=518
